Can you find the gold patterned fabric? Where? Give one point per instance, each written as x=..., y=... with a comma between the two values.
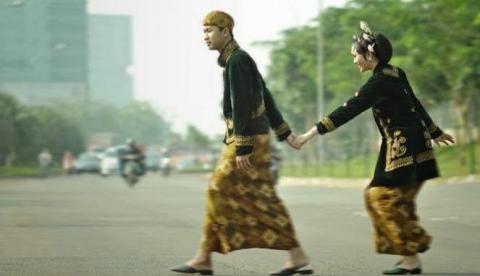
x=226, y=52
x=220, y=19
x=395, y=223
x=243, y=140
x=281, y=129
x=396, y=149
x=328, y=123
x=243, y=209
x=432, y=128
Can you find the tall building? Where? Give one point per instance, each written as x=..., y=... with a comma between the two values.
x=110, y=58
x=43, y=49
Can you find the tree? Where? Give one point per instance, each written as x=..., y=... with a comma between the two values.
x=196, y=139
x=436, y=42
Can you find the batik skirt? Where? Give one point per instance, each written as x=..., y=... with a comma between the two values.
x=395, y=223
x=243, y=209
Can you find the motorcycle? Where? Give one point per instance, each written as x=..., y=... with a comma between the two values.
x=166, y=166
x=131, y=169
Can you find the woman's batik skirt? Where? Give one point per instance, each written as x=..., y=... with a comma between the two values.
x=396, y=227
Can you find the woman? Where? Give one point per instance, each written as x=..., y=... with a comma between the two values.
x=406, y=157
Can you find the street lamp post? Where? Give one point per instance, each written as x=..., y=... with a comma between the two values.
x=320, y=80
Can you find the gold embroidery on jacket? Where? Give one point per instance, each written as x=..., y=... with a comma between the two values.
x=432, y=128
x=428, y=139
x=241, y=140
x=227, y=52
x=328, y=123
x=229, y=138
x=281, y=129
x=425, y=156
x=393, y=72
x=395, y=150
x=398, y=147
x=398, y=163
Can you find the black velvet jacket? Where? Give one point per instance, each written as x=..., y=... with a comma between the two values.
x=406, y=154
x=248, y=106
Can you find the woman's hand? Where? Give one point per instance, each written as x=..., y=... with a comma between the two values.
x=291, y=141
x=307, y=136
x=444, y=138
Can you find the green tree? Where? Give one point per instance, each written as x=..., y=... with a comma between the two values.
x=436, y=42
x=197, y=140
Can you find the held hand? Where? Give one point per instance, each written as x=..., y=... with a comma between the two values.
x=444, y=138
x=303, y=139
x=292, y=141
x=307, y=136
x=243, y=162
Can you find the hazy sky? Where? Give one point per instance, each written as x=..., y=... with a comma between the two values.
x=173, y=68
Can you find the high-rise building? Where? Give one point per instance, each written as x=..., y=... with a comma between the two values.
x=43, y=49
x=110, y=58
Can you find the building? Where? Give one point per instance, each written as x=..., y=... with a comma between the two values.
x=44, y=50
x=110, y=58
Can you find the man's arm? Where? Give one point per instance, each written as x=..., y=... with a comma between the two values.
x=241, y=89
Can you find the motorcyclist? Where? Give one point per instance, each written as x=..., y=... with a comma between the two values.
x=166, y=163
x=132, y=150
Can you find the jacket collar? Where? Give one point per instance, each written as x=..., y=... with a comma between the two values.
x=231, y=46
x=380, y=66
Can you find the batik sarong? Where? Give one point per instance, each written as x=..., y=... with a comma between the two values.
x=243, y=209
x=396, y=226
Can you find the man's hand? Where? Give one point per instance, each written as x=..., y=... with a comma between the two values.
x=292, y=141
x=301, y=140
x=243, y=162
x=444, y=138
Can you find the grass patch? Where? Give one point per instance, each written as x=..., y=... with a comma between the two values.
x=24, y=171
x=452, y=161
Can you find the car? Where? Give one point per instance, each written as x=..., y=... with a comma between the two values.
x=111, y=160
x=189, y=164
x=87, y=162
x=152, y=162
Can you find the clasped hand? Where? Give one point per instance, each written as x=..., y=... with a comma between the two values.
x=297, y=142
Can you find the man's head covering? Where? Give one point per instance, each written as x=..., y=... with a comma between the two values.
x=220, y=19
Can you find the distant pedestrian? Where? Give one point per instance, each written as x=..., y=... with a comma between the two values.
x=68, y=162
x=44, y=162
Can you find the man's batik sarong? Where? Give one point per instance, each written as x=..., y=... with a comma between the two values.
x=243, y=209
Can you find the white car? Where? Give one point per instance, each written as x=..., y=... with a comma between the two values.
x=110, y=161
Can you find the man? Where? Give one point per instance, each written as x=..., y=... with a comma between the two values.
x=243, y=210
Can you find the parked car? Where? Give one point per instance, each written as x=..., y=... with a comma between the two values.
x=152, y=162
x=110, y=160
x=87, y=162
x=189, y=164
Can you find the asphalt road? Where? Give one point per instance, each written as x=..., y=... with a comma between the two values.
x=89, y=225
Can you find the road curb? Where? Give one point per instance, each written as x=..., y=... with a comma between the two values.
x=360, y=183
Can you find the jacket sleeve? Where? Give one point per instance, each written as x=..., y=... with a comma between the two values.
x=241, y=89
x=433, y=129
x=275, y=118
x=361, y=101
